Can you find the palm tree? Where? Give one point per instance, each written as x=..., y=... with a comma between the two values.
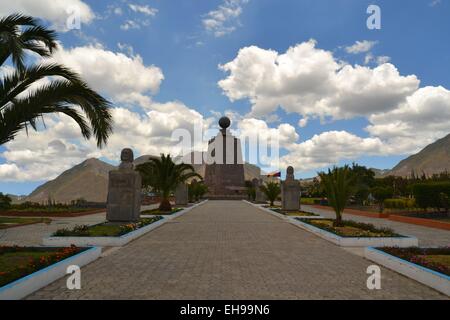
x=67, y=93
x=271, y=190
x=337, y=184
x=163, y=175
x=19, y=33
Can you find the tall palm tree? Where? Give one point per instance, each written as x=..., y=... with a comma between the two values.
x=19, y=33
x=163, y=175
x=338, y=186
x=272, y=190
x=65, y=92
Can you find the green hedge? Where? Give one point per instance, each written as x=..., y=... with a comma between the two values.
x=430, y=195
x=399, y=203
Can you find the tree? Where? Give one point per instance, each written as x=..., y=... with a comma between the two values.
x=19, y=33
x=5, y=201
x=272, y=190
x=337, y=184
x=163, y=175
x=363, y=180
x=250, y=189
x=64, y=93
x=381, y=194
x=197, y=190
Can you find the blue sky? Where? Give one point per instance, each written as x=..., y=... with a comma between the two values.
x=174, y=38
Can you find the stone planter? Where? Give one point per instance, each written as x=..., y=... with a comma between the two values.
x=430, y=278
x=27, y=285
x=401, y=242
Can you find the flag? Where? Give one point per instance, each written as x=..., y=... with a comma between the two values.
x=275, y=174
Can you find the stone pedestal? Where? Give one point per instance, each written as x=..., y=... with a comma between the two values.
x=181, y=195
x=124, y=191
x=290, y=192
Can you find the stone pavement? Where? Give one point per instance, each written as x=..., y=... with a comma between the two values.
x=427, y=236
x=232, y=250
x=31, y=235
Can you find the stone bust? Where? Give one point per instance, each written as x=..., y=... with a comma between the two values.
x=126, y=158
x=290, y=173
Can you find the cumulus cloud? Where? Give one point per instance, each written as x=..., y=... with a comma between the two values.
x=56, y=11
x=361, y=46
x=223, y=20
x=402, y=117
x=422, y=119
x=328, y=148
x=311, y=82
x=123, y=78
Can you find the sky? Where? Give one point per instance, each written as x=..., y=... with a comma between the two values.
x=310, y=73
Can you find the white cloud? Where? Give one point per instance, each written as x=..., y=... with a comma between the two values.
x=223, y=20
x=45, y=154
x=55, y=11
x=311, y=82
x=328, y=148
x=422, y=119
x=361, y=46
x=145, y=9
x=125, y=79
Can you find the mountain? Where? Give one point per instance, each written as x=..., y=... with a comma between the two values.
x=87, y=180
x=380, y=172
x=434, y=158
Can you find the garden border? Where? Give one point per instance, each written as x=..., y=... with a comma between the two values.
x=279, y=215
x=428, y=277
x=25, y=286
x=113, y=241
x=401, y=242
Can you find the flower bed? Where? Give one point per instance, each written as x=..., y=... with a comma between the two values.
x=17, y=262
x=437, y=259
x=353, y=234
x=351, y=228
x=294, y=213
x=429, y=266
x=105, y=229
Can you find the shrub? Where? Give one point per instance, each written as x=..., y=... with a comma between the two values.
x=431, y=194
x=5, y=202
x=399, y=203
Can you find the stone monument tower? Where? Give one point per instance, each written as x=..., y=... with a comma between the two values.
x=290, y=192
x=124, y=191
x=224, y=170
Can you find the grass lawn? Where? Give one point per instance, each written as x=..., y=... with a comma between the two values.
x=105, y=229
x=351, y=228
x=8, y=222
x=437, y=259
x=158, y=212
x=17, y=262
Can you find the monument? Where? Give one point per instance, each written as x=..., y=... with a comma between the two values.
x=181, y=194
x=224, y=170
x=260, y=196
x=290, y=192
x=124, y=191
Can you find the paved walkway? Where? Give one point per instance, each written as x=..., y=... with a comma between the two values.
x=232, y=250
x=427, y=236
